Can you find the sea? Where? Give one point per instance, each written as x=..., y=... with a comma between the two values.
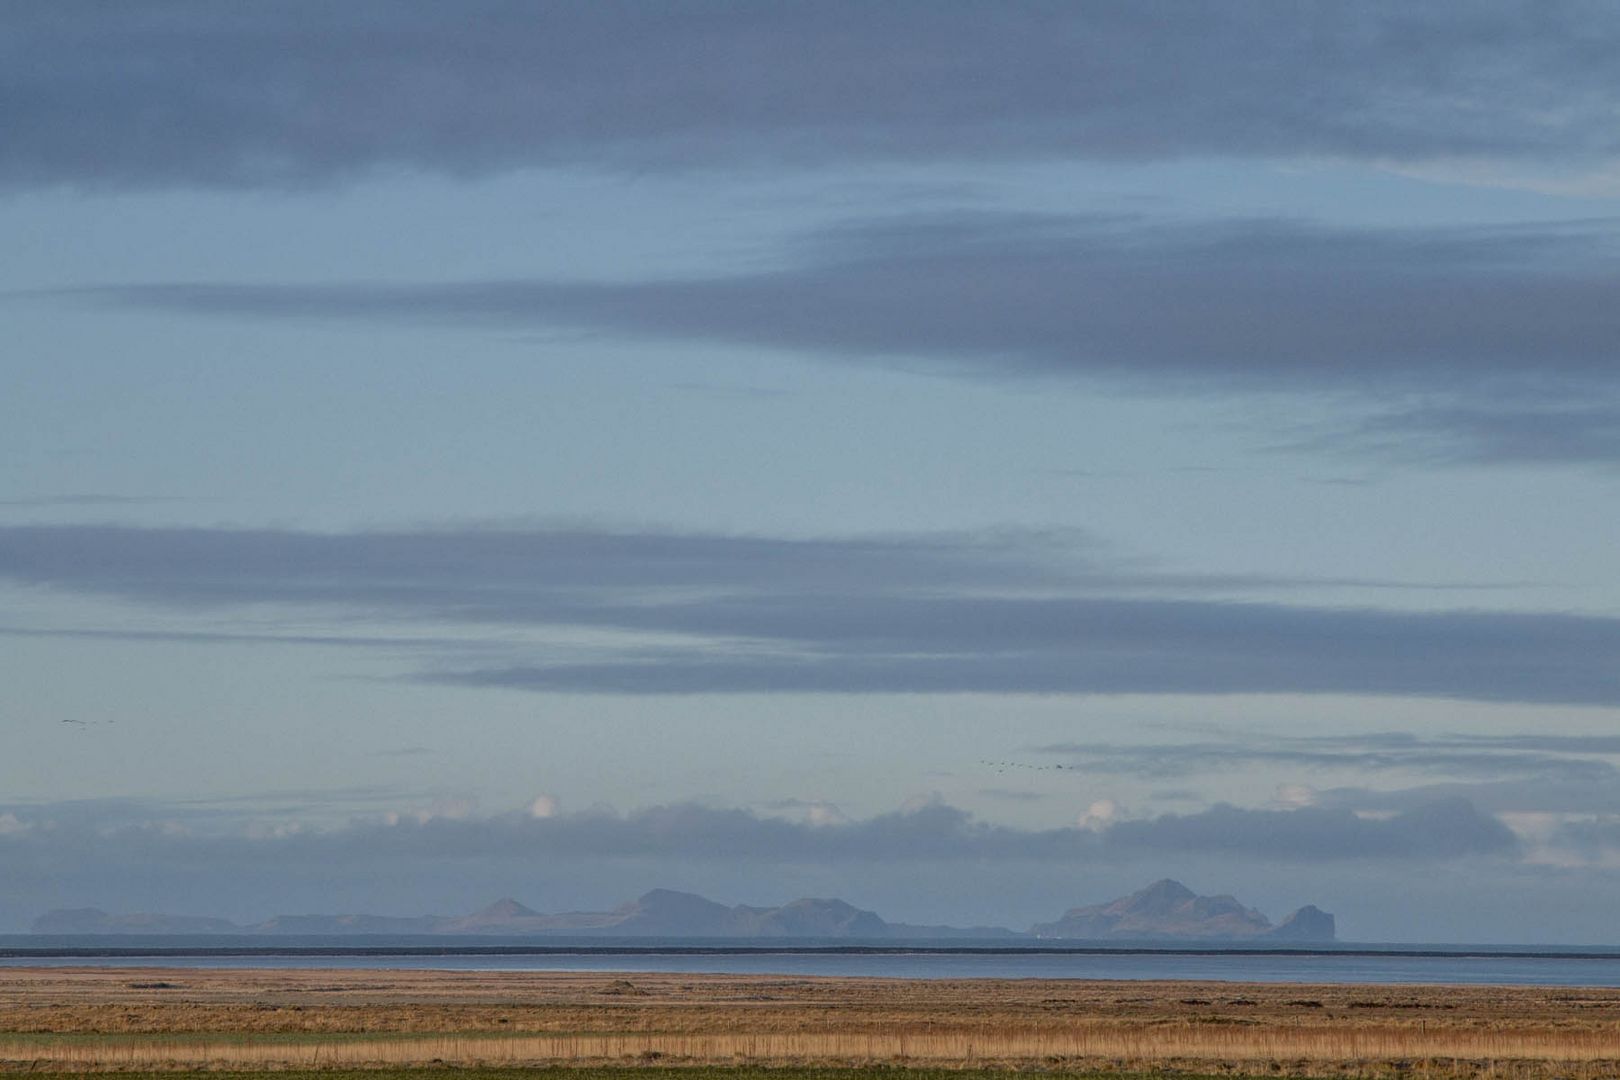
x=956, y=958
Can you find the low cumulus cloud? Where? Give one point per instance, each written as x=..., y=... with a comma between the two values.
x=159, y=836
x=187, y=92
x=1472, y=345
x=692, y=613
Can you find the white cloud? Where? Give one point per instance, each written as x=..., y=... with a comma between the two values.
x=824, y=813
x=1294, y=796
x=1099, y=815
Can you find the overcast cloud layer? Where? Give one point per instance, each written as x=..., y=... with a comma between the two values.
x=293, y=92
x=920, y=615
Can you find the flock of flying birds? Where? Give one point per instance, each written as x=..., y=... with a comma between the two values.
x=1003, y=766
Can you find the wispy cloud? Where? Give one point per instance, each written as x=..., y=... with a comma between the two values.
x=1527, y=433
x=87, y=499
x=1554, y=758
x=1437, y=830
x=1549, y=793
x=1273, y=304
x=187, y=92
x=724, y=614
x=1012, y=794
x=1461, y=344
x=1536, y=773
x=439, y=645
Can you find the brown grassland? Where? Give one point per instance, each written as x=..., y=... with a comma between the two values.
x=60, y=1019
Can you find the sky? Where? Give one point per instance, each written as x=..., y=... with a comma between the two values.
x=971, y=459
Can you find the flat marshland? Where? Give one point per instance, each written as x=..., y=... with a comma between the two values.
x=75, y=1019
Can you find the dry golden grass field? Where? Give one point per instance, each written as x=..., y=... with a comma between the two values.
x=54, y=1019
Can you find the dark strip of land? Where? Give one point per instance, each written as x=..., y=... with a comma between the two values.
x=71, y=952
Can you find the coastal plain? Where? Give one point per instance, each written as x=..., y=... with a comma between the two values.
x=164, y=1019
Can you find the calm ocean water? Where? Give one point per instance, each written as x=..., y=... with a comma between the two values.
x=919, y=960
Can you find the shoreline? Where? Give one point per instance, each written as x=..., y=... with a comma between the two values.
x=50, y=952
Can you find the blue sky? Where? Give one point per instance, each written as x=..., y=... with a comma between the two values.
x=567, y=450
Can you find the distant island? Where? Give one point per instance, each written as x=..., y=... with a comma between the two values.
x=1164, y=911
x=1169, y=910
